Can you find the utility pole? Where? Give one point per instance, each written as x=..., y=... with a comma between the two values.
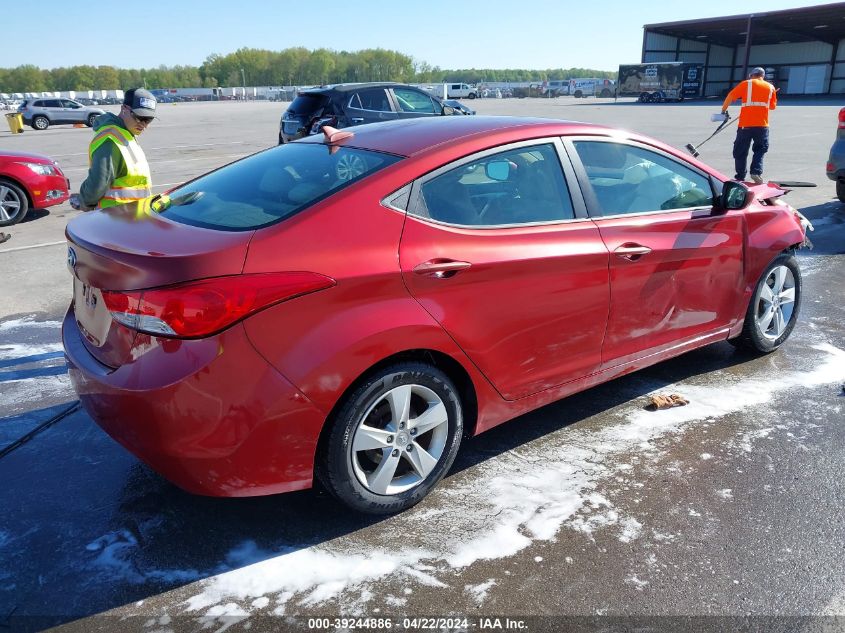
x=243, y=80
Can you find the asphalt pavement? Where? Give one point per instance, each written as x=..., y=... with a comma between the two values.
x=590, y=514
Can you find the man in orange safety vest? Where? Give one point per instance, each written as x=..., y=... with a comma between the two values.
x=758, y=97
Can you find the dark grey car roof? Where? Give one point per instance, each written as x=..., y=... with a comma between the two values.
x=354, y=86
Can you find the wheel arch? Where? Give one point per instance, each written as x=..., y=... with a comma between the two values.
x=20, y=185
x=456, y=372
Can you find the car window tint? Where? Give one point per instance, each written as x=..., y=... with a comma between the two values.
x=267, y=187
x=66, y=103
x=373, y=99
x=52, y=103
x=517, y=186
x=413, y=101
x=630, y=179
x=307, y=103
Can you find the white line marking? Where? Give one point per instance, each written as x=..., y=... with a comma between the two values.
x=26, y=248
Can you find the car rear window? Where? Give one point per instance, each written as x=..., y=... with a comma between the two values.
x=307, y=103
x=268, y=187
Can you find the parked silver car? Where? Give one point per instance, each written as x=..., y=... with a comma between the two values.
x=42, y=113
x=836, y=161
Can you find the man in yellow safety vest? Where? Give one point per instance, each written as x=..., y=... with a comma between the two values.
x=118, y=172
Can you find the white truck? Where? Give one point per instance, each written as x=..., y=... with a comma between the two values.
x=461, y=91
x=591, y=86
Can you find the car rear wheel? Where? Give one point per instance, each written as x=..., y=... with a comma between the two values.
x=774, y=306
x=392, y=439
x=13, y=203
x=840, y=190
x=40, y=123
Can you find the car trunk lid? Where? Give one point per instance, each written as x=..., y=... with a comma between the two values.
x=131, y=248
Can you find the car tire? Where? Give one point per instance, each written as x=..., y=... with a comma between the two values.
x=40, y=123
x=769, y=323
x=394, y=463
x=578, y=94
x=840, y=190
x=90, y=121
x=14, y=203
x=472, y=95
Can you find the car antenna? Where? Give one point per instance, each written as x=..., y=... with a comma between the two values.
x=333, y=135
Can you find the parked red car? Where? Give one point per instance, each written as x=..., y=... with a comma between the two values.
x=29, y=181
x=350, y=305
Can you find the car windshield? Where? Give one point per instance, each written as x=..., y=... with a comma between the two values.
x=268, y=187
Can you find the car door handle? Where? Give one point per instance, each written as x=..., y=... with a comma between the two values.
x=631, y=252
x=357, y=120
x=441, y=268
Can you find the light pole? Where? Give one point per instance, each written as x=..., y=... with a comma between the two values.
x=243, y=80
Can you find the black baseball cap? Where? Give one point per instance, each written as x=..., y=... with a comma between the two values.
x=141, y=102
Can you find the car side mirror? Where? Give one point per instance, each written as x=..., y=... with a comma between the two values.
x=448, y=110
x=735, y=196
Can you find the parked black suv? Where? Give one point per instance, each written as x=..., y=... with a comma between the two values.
x=342, y=105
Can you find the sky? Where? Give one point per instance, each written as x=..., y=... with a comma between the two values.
x=451, y=34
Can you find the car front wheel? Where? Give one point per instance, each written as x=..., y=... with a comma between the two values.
x=40, y=123
x=13, y=203
x=774, y=306
x=91, y=118
x=393, y=439
x=840, y=190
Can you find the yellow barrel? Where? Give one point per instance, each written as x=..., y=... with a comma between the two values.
x=15, y=121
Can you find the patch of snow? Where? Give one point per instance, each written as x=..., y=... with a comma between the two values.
x=725, y=493
x=479, y=592
x=29, y=322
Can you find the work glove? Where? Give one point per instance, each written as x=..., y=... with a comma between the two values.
x=76, y=203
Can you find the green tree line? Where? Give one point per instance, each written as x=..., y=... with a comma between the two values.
x=259, y=67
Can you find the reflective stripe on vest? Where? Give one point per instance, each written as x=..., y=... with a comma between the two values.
x=748, y=102
x=135, y=185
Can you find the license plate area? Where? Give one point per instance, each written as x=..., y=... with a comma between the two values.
x=92, y=316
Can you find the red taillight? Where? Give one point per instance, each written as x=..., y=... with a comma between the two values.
x=201, y=308
x=842, y=118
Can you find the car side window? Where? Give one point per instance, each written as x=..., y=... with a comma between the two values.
x=413, y=101
x=66, y=103
x=53, y=103
x=372, y=99
x=519, y=186
x=630, y=179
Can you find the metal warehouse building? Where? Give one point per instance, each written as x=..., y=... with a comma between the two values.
x=803, y=50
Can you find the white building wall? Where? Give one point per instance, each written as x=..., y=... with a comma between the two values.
x=696, y=58
x=721, y=56
x=693, y=45
x=797, y=53
x=658, y=41
x=659, y=57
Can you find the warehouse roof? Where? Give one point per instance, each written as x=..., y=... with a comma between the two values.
x=824, y=23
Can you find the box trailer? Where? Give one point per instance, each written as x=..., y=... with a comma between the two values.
x=659, y=82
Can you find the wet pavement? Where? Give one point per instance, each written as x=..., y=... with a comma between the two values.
x=593, y=507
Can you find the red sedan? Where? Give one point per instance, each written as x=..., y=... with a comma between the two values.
x=349, y=306
x=29, y=181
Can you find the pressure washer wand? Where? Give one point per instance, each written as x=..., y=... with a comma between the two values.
x=727, y=120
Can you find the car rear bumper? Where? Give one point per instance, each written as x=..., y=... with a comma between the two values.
x=212, y=416
x=836, y=161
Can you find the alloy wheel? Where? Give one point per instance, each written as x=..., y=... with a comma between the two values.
x=400, y=440
x=10, y=203
x=776, y=302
